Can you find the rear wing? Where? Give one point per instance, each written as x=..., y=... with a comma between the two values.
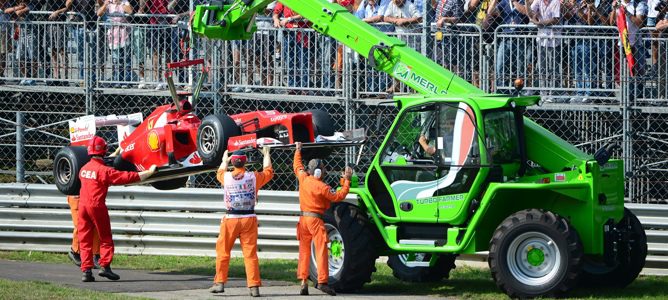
x=84, y=128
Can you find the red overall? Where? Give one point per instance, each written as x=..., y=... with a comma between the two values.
x=93, y=214
x=314, y=196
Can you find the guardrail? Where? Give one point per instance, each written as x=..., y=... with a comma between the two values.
x=146, y=221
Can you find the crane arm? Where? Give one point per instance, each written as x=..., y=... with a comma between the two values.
x=234, y=20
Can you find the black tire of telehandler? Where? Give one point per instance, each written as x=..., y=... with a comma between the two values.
x=444, y=264
x=360, y=245
x=625, y=272
x=539, y=223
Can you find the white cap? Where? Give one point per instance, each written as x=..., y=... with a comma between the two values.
x=271, y=5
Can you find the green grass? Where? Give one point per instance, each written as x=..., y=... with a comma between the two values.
x=18, y=290
x=464, y=282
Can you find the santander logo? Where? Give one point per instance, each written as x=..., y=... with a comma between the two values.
x=278, y=118
x=244, y=143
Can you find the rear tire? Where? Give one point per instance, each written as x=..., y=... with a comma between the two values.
x=444, y=264
x=352, y=253
x=170, y=184
x=535, y=253
x=625, y=271
x=323, y=124
x=66, y=167
x=212, y=137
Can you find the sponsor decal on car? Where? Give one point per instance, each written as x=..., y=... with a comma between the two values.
x=278, y=118
x=82, y=129
x=238, y=142
x=153, y=141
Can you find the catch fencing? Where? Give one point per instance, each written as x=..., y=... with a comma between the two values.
x=58, y=70
x=36, y=217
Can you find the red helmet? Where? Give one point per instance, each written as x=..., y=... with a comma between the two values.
x=97, y=146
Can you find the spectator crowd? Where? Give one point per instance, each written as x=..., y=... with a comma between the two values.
x=555, y=45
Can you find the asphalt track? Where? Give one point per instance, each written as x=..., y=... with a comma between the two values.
x=161, y=285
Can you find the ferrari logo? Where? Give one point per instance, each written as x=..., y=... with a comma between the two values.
x=153, y=141
x=150, y=124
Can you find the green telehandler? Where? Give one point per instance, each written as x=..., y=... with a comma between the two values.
x=461, y=172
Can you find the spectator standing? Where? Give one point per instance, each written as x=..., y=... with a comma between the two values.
x=582, y=14
x=158, y=36
x=24, y=31
x=85, y=36
x=636, y=14
x=265, y=49
x=545, y=14
x=6, y=32
x=118, y=39
x=450, y=49
x=404, y=15
x=295, y=46
x=371, y=12
x=512, y=55
x=56, y=39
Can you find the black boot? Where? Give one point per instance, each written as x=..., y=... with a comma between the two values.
x=74, y=257
x=96, y=261
x=304, y=289
x=326, y=289
x=106, y=272
x=87, y=276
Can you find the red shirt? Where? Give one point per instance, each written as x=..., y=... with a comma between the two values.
x=95, y=181
x=158, y=7
x=286, y=12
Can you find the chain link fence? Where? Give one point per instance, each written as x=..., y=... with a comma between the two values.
x=54, y=71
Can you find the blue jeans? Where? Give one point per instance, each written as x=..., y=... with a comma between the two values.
x=121, y=62
x=511, y=62
x=581, y=64
x=86, y=39
x=296, y=61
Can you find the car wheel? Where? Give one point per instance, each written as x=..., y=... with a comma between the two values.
x=212, y=137
x=323, y=124
x=535, y=253
x=66, y=167
x=171, y=184
x=351, y=247
x=631, y=258
x=441, y=269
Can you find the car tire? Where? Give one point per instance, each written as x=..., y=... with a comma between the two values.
x=352, y=252
x=535, y=253
x=323, y=124
x=441, y=269
x=170, y=184
x=212, y=136
x=66, y=167
x=627, y=270
x=123, y=165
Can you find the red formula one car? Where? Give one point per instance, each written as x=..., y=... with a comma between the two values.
x=181, y=144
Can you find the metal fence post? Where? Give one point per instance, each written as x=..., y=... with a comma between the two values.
x=20, y=170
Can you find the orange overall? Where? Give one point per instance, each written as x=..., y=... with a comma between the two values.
x=243, y=227
x=73, y=201
x=315, y=196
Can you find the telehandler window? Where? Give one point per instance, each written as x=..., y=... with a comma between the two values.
x=502, y=141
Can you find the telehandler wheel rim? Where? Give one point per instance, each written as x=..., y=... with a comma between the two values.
x=533, y=258
x=336, y=249
x=209, y=139
x=64, y=167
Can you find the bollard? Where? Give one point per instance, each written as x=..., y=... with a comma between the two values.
x=20, y=171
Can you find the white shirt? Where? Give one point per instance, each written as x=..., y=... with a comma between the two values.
x=639, y=10
x=546, y=11
x=652, y=13
x=407, y=11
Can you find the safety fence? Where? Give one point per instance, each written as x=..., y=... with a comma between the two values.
x=144, y=221
x=115, y=64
